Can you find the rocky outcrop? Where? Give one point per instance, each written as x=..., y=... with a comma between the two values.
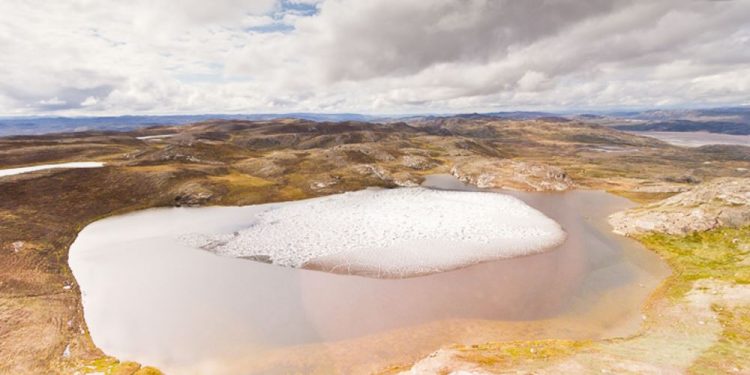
x=404, y=179
x=373, y=171
x=274, y=164
x=661, y=187
x=507, y=173
x=721, y=202
x=358, y=153
x=191, y=195
x=417, y=162
x=324, y=183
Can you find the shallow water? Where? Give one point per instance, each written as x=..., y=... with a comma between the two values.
x=148, y=297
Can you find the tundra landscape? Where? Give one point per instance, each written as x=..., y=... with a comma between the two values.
x=693, y=212
x=453, y=187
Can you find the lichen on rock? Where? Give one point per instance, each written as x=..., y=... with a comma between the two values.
x=721, y=202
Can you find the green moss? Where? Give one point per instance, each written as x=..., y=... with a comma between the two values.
x=125, y=368
x=719, y=254
x=731, y=354
x=106, y=365
x=111, y=366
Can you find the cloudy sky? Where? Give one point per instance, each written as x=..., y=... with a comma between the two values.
x=91, y=57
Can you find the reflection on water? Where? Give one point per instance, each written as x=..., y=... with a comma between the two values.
x=149, y=298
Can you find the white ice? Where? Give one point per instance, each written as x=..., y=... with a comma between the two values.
x=403, y=231
x=14, y=171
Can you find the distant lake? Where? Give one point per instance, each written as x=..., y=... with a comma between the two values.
x=696, y=139
x=148, y=297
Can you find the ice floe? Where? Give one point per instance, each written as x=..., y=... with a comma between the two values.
x=406, y=231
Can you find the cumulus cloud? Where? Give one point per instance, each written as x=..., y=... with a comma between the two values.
x=191, y=56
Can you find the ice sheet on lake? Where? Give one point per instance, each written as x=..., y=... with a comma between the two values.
x=406, y=231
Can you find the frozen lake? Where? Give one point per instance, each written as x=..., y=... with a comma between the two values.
x=151, y=298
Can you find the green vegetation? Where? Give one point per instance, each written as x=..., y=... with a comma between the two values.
x=718, y=255
x=111, y=366
x=722, y=254
x=514, y=353
x=731, y=354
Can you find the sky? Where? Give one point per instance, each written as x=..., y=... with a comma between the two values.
x=104, y=57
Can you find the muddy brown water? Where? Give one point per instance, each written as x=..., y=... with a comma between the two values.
x=149, y=298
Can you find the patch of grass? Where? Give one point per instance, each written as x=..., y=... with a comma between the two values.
x=241, y=189
x=241, y=181
x=291, y=193
x=155, y=168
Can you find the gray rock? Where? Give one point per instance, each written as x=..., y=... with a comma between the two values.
x=512, y=174
x=721, y=202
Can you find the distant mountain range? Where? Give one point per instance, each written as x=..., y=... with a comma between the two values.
x=732, y=120
x=45, y=125
x=735, y=121
x=724, y=127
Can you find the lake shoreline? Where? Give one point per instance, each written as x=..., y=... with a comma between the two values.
x=476, y=335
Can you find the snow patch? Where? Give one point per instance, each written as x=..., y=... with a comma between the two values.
x=160, y=136
x=85, y=164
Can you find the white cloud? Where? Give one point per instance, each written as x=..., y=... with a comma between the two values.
x=89, y=101
x=107, y=56
x=52, y=102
